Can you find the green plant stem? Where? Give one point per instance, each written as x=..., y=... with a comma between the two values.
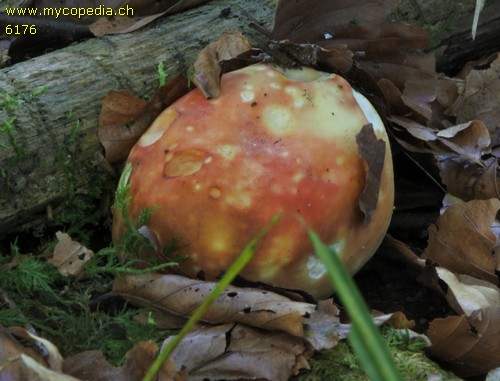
x=364, y=337
x=245, y=256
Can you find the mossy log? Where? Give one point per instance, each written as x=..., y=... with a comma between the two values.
x=49, y=105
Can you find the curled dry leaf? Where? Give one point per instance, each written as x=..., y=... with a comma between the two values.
x=462, y=240
x=469, y=141
x=469, y=346
x=180, y=296
x=23, y=362
x=403, y=252
x=207, y=67
x=69, y=256
x=11, y=346
x=467, y=294
x=50, y=352
x=237, y=352
x=372, y=150
x=24, y=368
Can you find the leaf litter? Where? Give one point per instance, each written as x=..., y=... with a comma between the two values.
x=454, y=120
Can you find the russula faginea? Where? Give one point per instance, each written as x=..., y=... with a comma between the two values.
x=274, y=142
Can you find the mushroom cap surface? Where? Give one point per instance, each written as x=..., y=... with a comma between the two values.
x=274, y=142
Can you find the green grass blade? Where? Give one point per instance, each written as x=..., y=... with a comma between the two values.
x=364, y=337
x=245, y=256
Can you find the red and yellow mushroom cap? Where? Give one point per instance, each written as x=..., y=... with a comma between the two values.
x=274, y=142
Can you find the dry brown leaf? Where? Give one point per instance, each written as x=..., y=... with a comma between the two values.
x=372, y=151
x=323, y=329
x=117, y=130
x=481, y=96
x=11, y=347
x=403, y=252
x=24, y=368
x=23, y=362
x=92, y=365
x=469, y=141
x=469, y=181
x=237, y=352
x=124, y=117
x=469, y=346
x=207, y=67
x=69, y=256
x=462, y=240
x=51, y=354
x=144, y=12
x=467, y=294
x=180, y=296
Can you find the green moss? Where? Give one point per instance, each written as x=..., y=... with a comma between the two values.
x=341, y=364
x=77, y=313
x=10, y=103
x=80, y=210
x=162, y=76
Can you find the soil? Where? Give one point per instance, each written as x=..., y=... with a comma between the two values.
x=390, y=286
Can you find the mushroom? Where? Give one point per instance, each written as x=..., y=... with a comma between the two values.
x=274, y=142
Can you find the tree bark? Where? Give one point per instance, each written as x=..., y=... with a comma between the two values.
x=51, y=104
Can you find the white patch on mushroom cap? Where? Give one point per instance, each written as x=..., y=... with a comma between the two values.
x=278, y=119
x=370, y=112
x=315, y=268
x=158, y=128
x=247, y=95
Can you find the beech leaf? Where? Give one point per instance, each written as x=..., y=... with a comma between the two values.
x=467, y=294
x=236, y=352
x=470, y=141
x=469, y=181
x=51, y=353
x=70, y=256
x=92, y=365
x=117, y=131
x=180, y=296
x=469, y=346
x=24, y=368
x=462, y=240
x=207, y=67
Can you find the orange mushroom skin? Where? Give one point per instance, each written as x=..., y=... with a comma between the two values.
x=274, y=142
